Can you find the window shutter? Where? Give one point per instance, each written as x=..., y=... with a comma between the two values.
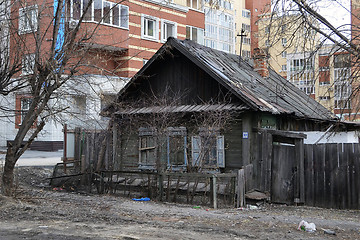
x=195, y=150
x=220, y=151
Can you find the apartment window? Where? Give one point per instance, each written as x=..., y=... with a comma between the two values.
x=124, y=16
x=245, y=27
x=246, y=41
x=25, y=107
x=284, y=68
x=324, y=98
x=168, y=29
x=208, y=150
x=342, y=90
x=22, y=107
x=284, y=42
x=342, y=74
x=246, y=13
x=342, y=61
x=195, y=34
x=28, y=64
x=211, y=43
x=283, y=28
x=301, y=64
x=149, y=27
x=308, y=89
x=342, y=104
x=283, y=54
x=105, y=12
x=245, y=54
x=196, y=4
x=28, y=20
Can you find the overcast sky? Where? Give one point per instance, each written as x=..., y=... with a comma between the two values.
x=336, y=12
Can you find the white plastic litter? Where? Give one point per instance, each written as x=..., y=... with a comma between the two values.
x=308, y=227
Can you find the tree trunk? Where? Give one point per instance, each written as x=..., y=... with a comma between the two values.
x=8, y=174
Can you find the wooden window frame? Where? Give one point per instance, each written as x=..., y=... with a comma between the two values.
x=197, y=149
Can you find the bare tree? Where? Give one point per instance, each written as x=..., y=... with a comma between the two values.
x=43, y=56
x=171, y=135
x=309, y=32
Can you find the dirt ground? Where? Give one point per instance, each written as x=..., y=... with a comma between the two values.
x=40, y=213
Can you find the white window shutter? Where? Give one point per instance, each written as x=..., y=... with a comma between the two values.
x=195, y=150
x=220, y=151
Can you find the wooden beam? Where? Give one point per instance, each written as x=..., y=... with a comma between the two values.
x=240, y=188
x=281, y=133
x=214, y=192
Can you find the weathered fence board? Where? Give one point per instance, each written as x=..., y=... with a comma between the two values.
x=331, y=171
x=332, y=175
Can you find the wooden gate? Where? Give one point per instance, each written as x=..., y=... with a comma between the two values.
x=282, y=177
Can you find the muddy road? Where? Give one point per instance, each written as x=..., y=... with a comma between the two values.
x=41, y=213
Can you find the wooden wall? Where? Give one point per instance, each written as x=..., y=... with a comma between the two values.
x=183, y=77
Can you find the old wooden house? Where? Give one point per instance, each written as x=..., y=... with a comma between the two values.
x=193, y=108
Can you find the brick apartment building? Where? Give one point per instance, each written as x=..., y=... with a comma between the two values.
x=114, y=41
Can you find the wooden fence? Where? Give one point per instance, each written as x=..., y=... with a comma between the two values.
x=332, y=175
x=331, y=172
x=214, y=190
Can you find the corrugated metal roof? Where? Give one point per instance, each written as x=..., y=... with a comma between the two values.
x=181, y=108
x=273, y=94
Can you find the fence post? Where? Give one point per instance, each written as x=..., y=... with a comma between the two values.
x=83, y=169
x=240, y=188
x=161, y=188
x=214, y=191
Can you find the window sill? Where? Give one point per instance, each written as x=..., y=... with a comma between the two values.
x=150, y=39
x=196, y=10
x=105, y=24
x=164, y=40
x=22, y=32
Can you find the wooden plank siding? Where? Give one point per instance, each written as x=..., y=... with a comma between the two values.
x=182, y=78
x=233, y=146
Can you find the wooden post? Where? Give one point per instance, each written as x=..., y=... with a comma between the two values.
x=114, y=150
x=302, y=171
x=299, y=193
x=161, y=188
x=240, y=188
x=77, y=144
x=214, y=192
x=168, y=188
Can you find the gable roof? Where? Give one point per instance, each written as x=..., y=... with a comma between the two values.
x=273, y=94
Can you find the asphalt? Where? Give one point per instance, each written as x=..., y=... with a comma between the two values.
x=35, y=158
